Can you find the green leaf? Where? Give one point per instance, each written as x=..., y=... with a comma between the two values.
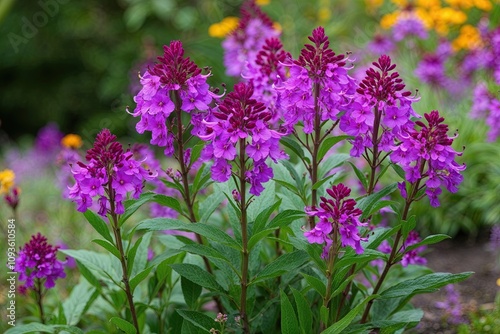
x=203, y=175
x=196, y=151
x=98, y=224
x=105, y=265
x=316, y=284
x=191, y=292
x=263, y=216
x=399, y=170
x=407, y=226
x=87, y=274
x=67, y=329
x=132, y=205
x=293, y=146
x=361, y=176
x=431, y=239
x=198, y=319
x=141, y=276
x=208, y=206
x=30, y=328
x=318, y=184
x=366, y=203
x=255, y=238
x=124, y=325
x=293, y=172
x=380, y=205
x=333, y=161
x=137, y=256
x=423, y=284
x=208, y=231
x=328, y=143
x=168, y=201
x=350, y=257
x=197, y=275
x=77, y=302
x=281, y=265
x=108, y=246
x=285, y=217
x=205, y=251
x=289, y=323
x=304, y=312
x=342, y=324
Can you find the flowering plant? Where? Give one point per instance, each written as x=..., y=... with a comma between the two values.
x=271, y=226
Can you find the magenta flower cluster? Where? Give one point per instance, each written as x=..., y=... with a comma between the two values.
x=240, y=122
x=110, y=174
x=266, y=72
x=427, y=154
x=381, y=111
x=318, y=79
x=243, y=44
x=175, y=83
x=409, y=257
x=337, y=216
x=37, y=259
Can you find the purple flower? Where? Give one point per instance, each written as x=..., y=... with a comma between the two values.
x=107, y=174
x=241, y=122
x=37, y=259
x=338, y=218
x=381, y=107
x=452, y=305
x=409, y=26
x=495, y=237
x=481, y=101
x=317, y=72
x=427, y=154
x=242, y=45
x=174, y=82
x=266, y=72
x=381, y=45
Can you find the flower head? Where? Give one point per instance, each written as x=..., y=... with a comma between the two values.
x=243, y=43
x=318, y=78
x=266, y=72
x=427, y=154
x=175, y=82
x=38, y=260
x=242, y=120
x=72, y=141
x=7, y=177
x=110, y=174
x=338, y=218
x=381, y=109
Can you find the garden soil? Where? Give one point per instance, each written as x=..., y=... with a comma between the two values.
x=477, y=292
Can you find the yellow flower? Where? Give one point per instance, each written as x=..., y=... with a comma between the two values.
x=6, y=180
x=466, y=4
x=373, y=4
x=469, y=38
x=224, y=27
x=72, y=141
x=498, y=282
x=324, y=14
x=400, y=3
x=483, y=5
x=428, y=3
x=262, y=2
x=388, y=20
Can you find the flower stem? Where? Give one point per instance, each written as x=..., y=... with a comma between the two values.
x=244, y=239
x=332, y=255
x=123, y=258
x=39, y=298
x=316, y=144
x=187, y=196
x=394, y=252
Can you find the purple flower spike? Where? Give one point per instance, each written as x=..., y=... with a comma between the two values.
x=337, y=217
x=381, y=107
x=427, y=154
x=242, y=46
x=38, y=260
x=108, y=167
x=238, y=120
x=317, y=72
x=174, y=74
